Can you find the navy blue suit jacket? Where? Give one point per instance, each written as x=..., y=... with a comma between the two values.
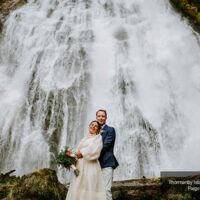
x=107, y=158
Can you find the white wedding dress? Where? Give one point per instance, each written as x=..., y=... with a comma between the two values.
x=89, y=184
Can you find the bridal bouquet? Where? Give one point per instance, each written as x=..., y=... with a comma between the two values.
x=67, y=158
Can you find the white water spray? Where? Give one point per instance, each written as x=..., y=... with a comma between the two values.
x=63, y=60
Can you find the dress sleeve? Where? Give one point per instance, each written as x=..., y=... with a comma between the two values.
x=80, y=143
x=93, y=149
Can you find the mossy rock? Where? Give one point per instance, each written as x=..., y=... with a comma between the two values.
x=182, y=3
x=175, y=197
x=21, y=3
x=198, y=18
x=6, y=6
x=190, y=9
x=42, y=184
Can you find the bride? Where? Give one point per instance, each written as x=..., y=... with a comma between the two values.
x=89, y=183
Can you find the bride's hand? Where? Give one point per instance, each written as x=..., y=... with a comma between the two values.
x=79, y=155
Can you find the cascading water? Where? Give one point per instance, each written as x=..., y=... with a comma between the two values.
x=61, y=60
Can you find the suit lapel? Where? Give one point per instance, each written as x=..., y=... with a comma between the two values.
x=103, y=132
x=105, y=127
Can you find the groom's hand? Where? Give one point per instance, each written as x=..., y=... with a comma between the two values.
x=79, y=155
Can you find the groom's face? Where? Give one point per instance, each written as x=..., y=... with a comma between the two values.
x=101, y=117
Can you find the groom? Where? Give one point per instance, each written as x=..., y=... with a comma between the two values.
x=107, y=159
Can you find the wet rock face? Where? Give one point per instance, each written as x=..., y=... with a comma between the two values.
x=190, y=9
x=6, y=6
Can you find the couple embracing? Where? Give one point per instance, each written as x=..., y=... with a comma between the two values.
x=96, y=162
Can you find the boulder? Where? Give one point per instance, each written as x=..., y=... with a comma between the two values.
x=41, y=185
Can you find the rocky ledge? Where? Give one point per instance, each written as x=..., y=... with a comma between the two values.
x=40, y=185
x=190, y=9
x=44, y=185
x=6, y=6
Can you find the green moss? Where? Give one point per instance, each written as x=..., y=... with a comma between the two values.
x=82, y=52
x=198, y=18
x=196, y=3
x=4, y=193
x=191, y=9
x=42, y=184
x=182, y=4
x=21, y=3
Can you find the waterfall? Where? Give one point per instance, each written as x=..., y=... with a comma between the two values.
x=61, y=60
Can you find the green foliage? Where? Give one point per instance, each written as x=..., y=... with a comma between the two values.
x=187, y=196
x=64, y=160
x=3, y=193
x=191, y=9
x=21, y=3
x=198, y=18
x=196, y=3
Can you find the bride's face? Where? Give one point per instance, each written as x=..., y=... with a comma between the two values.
x=93, y=128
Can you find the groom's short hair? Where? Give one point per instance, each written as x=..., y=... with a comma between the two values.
x=102, y=110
